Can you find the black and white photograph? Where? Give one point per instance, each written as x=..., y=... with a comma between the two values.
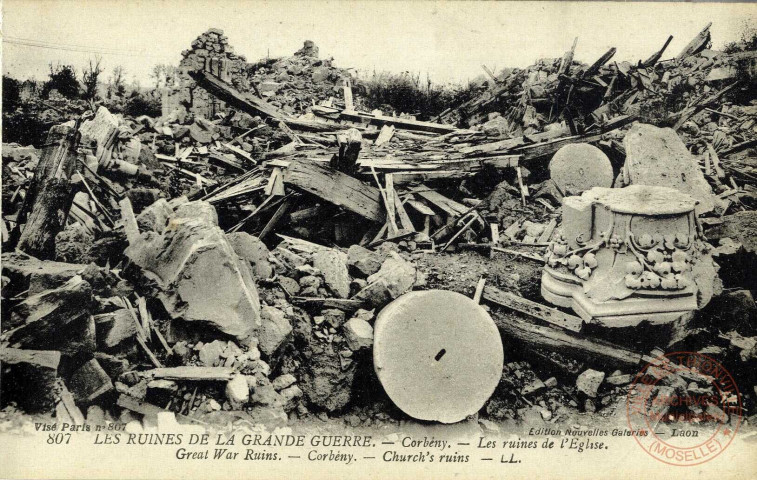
x=378, y=239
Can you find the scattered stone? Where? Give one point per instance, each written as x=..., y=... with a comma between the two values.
x=95, y=415
x=200, y=276
x=395, y=277
x=333, y=317
x=589, y=381
x=113, y=366
x=252, y=250
x=29, y=377
x=535, y=386
x=283, y=381
x=237, y=391
x=290, y=286
x=199, y=210
x=274, y=330
x=89, y=382
x=335, y=275
x=324, y=382
x=358, y=333
x=115, y=329
x=619, y=379
x=155, y=217
x=362, y=261
x=289, y=257
x=210, y=353
x=73, y=243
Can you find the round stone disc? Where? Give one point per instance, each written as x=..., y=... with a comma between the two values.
x=578, y=167
x=437, y=354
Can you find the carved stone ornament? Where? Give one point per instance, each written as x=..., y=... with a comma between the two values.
x=628, y=255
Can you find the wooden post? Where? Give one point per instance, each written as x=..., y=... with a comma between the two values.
x=50, y=195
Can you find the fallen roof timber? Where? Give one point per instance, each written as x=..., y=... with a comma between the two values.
x=380, y=120
x=256, y=106
x=337, y=188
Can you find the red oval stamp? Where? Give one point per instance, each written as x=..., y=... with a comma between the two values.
x=684, y=408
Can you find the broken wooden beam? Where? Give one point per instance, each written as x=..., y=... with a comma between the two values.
x=547, y=338
x=49, y=196
x=337, y=188
x=537, y=310
x=190, y=373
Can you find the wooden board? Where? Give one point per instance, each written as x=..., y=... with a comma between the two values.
x=542, y=312
x=337, y=188
x=449, y=206
x=190, y=373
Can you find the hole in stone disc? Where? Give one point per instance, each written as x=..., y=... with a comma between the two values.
x=440, y=354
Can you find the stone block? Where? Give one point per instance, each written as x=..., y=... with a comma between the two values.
x=335, y=274
x=589, y=381
x=358, y=333
x=657, y=156
x=200, y=276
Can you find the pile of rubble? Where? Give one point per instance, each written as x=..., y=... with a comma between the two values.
x=294, y=84
x=228, y=265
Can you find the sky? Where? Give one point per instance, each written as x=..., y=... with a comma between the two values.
x=448, y=41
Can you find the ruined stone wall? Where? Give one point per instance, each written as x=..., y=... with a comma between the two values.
x=211, y=52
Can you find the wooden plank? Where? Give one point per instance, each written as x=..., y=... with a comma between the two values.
x=386, y=134
x=649, y=62
x=459, y=232
x=153, y=359
x=69, y=405
x=547, y=233
x=162, y=340
x=378, y=120
x=130, y=221
x=337, y=188
x=234, y=98
x=405, y=221
x=280, y=212
x=449, y=206
x=537, y=310
x=239, y=152
x=696, y=44
x=343, y=304
x=403, y=178
x=547, y=338
x=144, y=315
x=495, y=233
x=479, y=290
x=529, y=256
x=193, y=373
x=421, y=208
x=389, y=194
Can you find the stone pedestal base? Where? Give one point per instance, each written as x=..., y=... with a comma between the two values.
x=627, y=256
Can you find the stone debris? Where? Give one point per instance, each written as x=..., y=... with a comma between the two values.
x=240, y=256
x=589, y=382
x=657, y=156
x=358, y=333
x=202, y=279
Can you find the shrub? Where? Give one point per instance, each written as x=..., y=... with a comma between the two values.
x=140, y=104
x=63, y=79
x=11, y=93
x=405, y=93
